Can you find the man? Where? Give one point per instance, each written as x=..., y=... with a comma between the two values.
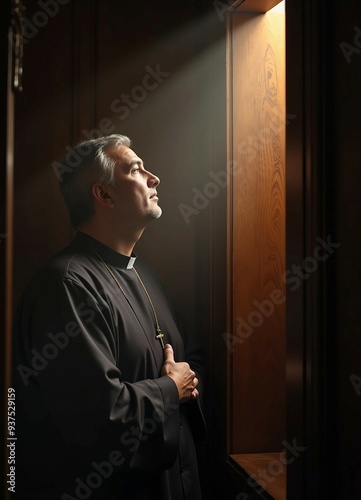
x=107, y=404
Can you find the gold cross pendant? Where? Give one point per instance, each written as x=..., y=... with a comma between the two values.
x=160, y=336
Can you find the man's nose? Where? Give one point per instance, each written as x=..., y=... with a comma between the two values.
x=153, y=180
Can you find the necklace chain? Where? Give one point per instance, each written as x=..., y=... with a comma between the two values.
x=157, y=327
x=160, y=334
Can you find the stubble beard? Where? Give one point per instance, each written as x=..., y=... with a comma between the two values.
x=156, y=212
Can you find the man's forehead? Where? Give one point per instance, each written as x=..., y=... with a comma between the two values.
x=124, y=155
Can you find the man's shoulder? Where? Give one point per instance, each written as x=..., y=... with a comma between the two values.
x=72, y=271
x=70, y=263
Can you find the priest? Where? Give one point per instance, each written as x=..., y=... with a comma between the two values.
x=107, y=380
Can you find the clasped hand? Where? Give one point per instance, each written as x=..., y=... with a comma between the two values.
x=182, y=374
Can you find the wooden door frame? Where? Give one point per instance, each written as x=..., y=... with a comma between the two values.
x=310, y=358
x=310, y=376
x=6, y=228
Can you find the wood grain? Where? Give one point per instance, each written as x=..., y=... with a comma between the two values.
x=258, y=233
x=268, y=469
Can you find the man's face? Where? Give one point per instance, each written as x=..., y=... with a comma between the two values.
x=135, y=193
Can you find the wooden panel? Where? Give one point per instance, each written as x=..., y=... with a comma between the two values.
x=84, y=68
x=43, y=117
x=267, y=471
x=258, y=227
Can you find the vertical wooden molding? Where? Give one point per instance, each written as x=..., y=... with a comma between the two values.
x=9, y=222
x=229, y=146
x=309, y=164
x=6, y=242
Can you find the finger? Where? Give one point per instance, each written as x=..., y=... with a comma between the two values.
x=194, y=383
x=194, y=394
x=168, y=353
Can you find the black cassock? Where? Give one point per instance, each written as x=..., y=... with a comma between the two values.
x=94, y=416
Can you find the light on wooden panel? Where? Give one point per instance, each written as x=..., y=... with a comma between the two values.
x=257, y=128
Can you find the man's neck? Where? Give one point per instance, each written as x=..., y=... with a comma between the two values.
x=123, y=243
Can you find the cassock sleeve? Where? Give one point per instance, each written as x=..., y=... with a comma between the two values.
x=67, y=362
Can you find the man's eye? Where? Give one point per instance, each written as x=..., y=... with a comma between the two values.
x=136, y=169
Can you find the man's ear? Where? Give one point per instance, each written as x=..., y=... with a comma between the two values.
x=101, y=194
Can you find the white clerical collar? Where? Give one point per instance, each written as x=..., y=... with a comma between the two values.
x=131, y=262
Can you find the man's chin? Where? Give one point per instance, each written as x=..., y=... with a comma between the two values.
x=156, y=213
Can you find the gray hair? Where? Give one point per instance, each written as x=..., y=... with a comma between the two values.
x=86, y=164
